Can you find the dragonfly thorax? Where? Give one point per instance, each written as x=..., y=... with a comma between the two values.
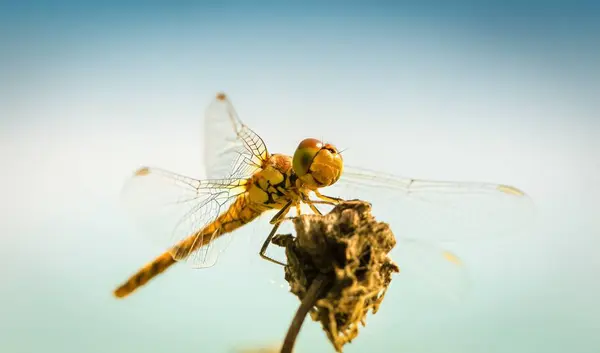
x=275, y=184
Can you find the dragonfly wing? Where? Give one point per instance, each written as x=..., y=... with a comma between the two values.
x=427, y=268
x=231, y=149
x=170, y=207
x=437, y=210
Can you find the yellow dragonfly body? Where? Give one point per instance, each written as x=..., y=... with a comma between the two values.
x=279, y=182
x=245, y=180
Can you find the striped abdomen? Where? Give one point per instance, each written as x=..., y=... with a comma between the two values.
x=236, y=216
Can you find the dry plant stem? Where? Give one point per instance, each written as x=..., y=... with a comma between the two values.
x=307, y=303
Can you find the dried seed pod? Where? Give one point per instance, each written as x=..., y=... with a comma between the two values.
x=346, y=250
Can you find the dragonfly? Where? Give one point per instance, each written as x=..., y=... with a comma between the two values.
x=244, y=180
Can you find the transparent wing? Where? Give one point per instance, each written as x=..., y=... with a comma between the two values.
x=437, y=210
x=170, y=207
x=429, y=270
x=231, y=149
x=423, y=213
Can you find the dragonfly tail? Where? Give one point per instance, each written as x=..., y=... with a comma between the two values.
x=145, y=274
x=236, y=216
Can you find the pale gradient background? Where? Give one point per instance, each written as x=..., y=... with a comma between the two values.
x=501, y=93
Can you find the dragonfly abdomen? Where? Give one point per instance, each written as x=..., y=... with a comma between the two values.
x=238, y=214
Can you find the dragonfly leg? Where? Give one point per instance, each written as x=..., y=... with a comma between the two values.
x=263, y=250
x=328, y=199
x=320, y=202
x=279, y=216
x=311, y=204
x=314, y=208
x=276, y=221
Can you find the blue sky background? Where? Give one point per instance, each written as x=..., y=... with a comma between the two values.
x=491, y=91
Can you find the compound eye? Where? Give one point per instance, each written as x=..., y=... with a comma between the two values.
x=304, y=155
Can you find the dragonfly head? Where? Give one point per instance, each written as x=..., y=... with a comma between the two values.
x=317, y=164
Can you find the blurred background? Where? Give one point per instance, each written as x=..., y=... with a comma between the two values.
x=502, y=92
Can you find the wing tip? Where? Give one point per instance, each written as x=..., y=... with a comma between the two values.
x=511, y=190
x=143, y=171
x=452, y=258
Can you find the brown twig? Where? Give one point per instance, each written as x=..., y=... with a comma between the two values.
x=307, y=303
